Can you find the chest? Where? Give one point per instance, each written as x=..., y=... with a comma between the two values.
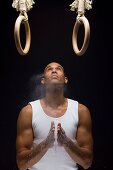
x=55, y=112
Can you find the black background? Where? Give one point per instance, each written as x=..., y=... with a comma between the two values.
x=90, y=76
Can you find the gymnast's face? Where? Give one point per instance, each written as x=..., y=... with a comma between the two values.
x=54, y=74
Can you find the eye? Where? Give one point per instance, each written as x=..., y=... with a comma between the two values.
x=59, y=68
x=49, y=68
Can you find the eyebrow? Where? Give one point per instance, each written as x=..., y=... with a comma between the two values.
x=59, y=66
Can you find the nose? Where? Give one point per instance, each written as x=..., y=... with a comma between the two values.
x=54, y=70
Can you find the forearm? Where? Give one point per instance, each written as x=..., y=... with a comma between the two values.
x=81, y=156
x=28, y=158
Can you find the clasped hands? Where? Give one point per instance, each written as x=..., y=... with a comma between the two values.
x=61, y=135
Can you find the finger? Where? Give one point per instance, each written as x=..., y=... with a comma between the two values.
x=62, y=130
x=58, y=127
x=52, y=126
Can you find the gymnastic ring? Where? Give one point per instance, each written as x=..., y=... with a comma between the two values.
x=22, y=19
x=81, y=20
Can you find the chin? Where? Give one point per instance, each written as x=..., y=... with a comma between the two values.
x=54, y=85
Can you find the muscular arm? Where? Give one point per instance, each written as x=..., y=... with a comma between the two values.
x=26, y=154
x=82, y=151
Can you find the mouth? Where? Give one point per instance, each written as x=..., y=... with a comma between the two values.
x=54, y=76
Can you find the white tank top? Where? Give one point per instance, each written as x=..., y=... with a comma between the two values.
x=56, y=158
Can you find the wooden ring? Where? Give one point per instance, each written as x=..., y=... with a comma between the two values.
x=22, y=19
x=81, y=20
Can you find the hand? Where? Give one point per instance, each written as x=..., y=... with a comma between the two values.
x=61, y=135
x=50, y=138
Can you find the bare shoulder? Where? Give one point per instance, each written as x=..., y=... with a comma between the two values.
x=82, y=108
x=25, y=115
x=84, y=112
x=26, y=110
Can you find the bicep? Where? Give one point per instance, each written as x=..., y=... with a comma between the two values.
x=24, y=137
x=84, y=131
x=24, y=140
x=84, y=137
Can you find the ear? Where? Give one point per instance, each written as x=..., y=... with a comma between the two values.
x=66, y=80
x=42, y=81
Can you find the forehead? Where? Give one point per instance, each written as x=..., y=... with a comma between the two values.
x=53, y=64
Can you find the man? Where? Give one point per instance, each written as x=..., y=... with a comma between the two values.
x=54, y=133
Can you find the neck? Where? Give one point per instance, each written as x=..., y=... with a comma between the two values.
x=54, y=99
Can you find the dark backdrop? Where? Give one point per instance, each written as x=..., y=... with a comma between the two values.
x=90, y=76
